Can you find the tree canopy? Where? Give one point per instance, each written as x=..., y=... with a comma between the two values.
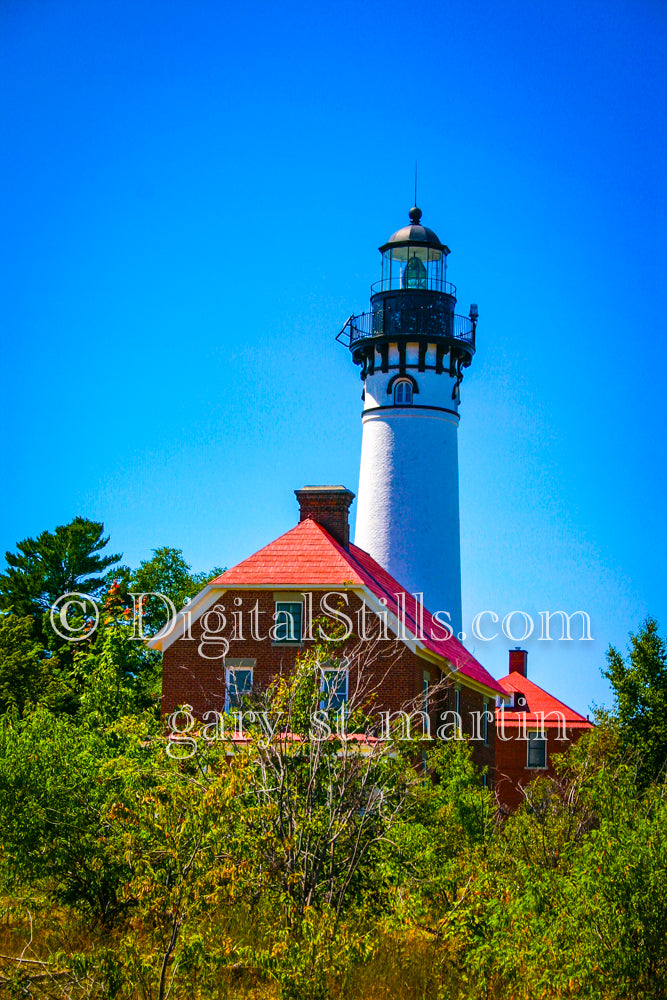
x=55, y=563
x=166, y=573
x=22, y=667
x=639, y=683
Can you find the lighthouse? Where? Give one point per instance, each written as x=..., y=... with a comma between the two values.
x=412, y=349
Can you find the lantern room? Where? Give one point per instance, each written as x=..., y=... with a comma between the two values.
x=412, y=303
x=414, y=258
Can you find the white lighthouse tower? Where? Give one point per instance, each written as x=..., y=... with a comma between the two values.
x=412, y=349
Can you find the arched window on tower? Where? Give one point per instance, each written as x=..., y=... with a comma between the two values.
x=402, y=393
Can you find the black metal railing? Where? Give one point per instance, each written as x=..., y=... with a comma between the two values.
x=431, y=284
x=420, y=322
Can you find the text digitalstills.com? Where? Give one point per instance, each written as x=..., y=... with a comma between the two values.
x=75, y=616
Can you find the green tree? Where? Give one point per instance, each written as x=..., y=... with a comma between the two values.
x=166, y=573
x=170, y=831
x=22, y=673
x=312, y=807
x=570, y=897
x=58, y=780
x=120, y=675
x=443, y=832
x=639, y=683
x=55, y=563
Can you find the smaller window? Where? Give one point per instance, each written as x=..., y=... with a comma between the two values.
x=288, y=621
x=485, y=724
x=239, y=684
x=333, y=688
x=403, y=393
x=537, y=750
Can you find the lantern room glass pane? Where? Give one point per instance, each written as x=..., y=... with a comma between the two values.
x=401, y=269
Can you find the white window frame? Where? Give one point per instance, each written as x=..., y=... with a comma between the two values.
x=341, y=669
x=409, y=390
x=288, y=642
x=542, y=737
x=229, y=672
x=457, y=711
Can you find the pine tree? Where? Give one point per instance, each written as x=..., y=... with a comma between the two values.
x=55, y=563
x=640, y=691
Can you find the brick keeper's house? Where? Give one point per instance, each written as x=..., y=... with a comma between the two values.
x=282, y=586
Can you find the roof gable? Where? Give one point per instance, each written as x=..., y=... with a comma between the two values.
x=305, y=555
x=308, y=557
x=538, y=701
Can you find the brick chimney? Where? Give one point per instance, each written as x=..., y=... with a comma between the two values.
x=519, y=661
x=329, y=506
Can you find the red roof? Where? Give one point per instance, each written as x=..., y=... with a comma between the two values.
x=537, y=701
x=307, y=556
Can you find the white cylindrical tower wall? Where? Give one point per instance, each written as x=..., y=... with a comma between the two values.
x=408, y=500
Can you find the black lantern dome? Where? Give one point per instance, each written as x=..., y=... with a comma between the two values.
x=415, y=236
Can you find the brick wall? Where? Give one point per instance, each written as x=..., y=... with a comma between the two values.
x=190, y=678
x=511, y=768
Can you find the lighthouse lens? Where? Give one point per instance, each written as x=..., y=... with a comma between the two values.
x=414, y=275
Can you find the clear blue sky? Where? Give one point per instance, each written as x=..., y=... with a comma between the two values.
x=193, y=195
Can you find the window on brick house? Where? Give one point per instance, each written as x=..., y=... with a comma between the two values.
x=334, y=688
x=537, y=750
x=485, y=724
x=403, y=393
x=288, y=621
x=238, y=685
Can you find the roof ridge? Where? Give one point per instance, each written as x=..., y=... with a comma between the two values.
x=379, y=583
x=547, y=693
x=307, y=524
x=403, y=591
